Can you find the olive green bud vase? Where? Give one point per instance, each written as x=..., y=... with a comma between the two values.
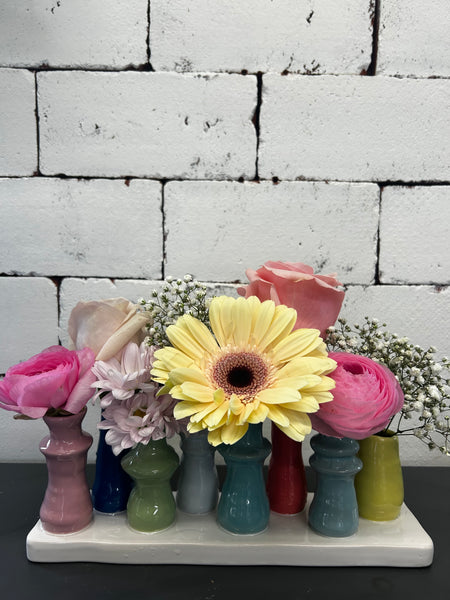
x=151, y=505
x=379, y=485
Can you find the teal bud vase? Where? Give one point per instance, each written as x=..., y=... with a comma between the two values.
x=244, y=506
x=151, y=505
x=334, y=509
x=198, y=484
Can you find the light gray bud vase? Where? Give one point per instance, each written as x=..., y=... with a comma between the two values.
x=198, y=485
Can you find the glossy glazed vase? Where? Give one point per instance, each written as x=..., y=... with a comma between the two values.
x=286, y=481
x=67, y=504
x=334, y=509
x=151, y=505
x=112, y=486
x=244, y=506
x=379, y=485
x=198, y=484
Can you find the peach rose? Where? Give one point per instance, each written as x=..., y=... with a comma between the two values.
x=315, y=297
x=106, y=326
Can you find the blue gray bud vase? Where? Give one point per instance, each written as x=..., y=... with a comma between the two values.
x=112, y=486
x=244, y=505
x=198, y=484
x=334, y=509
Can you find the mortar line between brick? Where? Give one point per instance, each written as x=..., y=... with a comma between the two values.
x=257, y=120
x=147, y=40
x=164, y=235
x=372, y=68
x=38, y=133
x=377, y=262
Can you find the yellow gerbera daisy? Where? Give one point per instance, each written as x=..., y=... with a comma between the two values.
x=254, y=367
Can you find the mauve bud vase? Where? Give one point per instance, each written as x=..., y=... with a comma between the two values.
x=67, y=505
x=334, y=509
x=198, y=485
x=286, y=479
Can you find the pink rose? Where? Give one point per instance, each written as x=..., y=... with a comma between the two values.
x=314, y=297
x=366, y=396
x=107, y=326
x=56, y=378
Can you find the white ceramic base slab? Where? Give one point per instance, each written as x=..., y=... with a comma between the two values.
x=198, y=540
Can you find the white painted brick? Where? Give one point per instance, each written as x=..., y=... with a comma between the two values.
x=355, y=128
x=147, y=124
x=18, y=141
x=28, y=318
x=87, y=227
x=216, y=230
x=414, y=235
x=74, y=33
x=413, y=38
x=261, y=35
x=417, y=312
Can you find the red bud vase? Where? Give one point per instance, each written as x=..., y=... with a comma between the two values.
x=286, y=481
x=67, y=505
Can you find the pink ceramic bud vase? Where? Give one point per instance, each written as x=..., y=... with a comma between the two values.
x=67, y=505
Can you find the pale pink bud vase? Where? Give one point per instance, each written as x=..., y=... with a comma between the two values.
x=67, y=505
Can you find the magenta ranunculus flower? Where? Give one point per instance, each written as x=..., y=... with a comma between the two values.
x=315, y=297
x=366, y=396
x=56, y=379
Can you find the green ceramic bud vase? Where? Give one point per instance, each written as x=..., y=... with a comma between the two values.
x=151, y=505
x=379, y=485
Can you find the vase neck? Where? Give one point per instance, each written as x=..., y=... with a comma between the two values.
x=65, y=427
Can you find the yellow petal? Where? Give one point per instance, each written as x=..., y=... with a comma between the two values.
x=299, y=342
x=232, y=433
x=193, y=375
x=307, y=365
x=218, y=417
x=277, y=415
x=199, y=332
x=262, y=318
x=183, y=341
x=299, y=383
x=282, y=323
x=198, y=392
x=242, y=319
x=221, y=319
x=259, y=414
x=185, y=409
x=278, y=395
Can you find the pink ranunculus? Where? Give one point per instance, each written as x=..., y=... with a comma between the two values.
x=56, y=378
x=366, y=396
x=106, y=326
x=315, y=297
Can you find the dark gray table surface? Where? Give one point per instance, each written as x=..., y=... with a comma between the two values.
x=427, y=494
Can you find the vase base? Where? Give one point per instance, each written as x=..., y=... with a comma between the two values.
x=197, y=540
x=60, y=534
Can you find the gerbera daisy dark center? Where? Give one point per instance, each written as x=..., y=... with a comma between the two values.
x=241, y=373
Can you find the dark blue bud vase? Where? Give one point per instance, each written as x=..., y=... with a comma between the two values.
x=112, y=486
x=198, y=484
x=244, y=506
x=334, y=509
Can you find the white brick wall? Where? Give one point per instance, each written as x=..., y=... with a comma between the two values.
x=79, y=33
x=413, y=38
x=415, y=234
x=249, y=223
x=147, y=124
x=299, y=36
x=140, y=139
x=18, y=149
x=355, y=128
x=86, y=228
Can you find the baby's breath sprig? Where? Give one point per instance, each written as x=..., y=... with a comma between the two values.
x=177, y=297
x=425, y=382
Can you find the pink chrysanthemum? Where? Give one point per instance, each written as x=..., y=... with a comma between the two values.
x=119, y=380
x=139, y=419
